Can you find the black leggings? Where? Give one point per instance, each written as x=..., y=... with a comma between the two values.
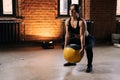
x=89, y=44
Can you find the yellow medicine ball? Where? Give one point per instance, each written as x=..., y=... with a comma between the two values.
x=72, y=55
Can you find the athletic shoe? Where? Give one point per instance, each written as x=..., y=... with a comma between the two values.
x=89, y=69
x=70, y=64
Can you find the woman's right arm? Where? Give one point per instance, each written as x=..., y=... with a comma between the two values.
x=66, y=33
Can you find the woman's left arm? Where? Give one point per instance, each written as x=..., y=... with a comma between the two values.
x=82, y=35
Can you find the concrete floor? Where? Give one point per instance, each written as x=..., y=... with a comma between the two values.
x=35, y=63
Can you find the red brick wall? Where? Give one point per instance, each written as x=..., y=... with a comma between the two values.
x=102, y=12
x=86, y=9
x=40, y=19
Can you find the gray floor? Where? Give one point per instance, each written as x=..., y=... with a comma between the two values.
x=35, y=63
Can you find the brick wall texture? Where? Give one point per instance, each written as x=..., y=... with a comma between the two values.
x=103, y=13
x=40, y=19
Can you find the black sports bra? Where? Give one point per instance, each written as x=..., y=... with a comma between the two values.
x=72, y=30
